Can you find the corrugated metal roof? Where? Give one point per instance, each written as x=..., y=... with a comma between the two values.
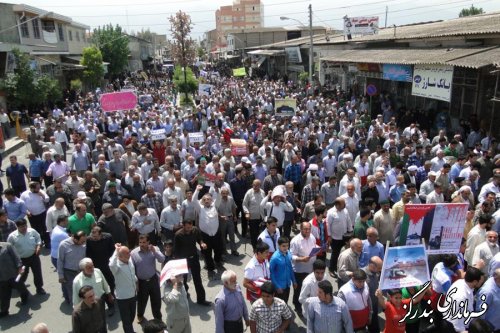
x=266, y=52
x=411, y=56
x=478, y=60
x=470, y=25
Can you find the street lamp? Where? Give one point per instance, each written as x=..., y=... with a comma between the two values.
x=284, y=18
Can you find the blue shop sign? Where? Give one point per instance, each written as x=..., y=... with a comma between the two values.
x=397, y=72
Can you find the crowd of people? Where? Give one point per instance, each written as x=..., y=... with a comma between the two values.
x=318, y=196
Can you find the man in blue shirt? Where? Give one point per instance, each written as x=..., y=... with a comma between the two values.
x=35, y=168
x=281, y=270
x=371, y=247
x=15, y=176
x=293, y=173
x=491, y=291
x=15, y=207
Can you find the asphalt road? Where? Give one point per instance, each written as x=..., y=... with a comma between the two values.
x=52, y=310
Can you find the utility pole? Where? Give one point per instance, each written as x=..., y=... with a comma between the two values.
x=311, y=50
x=386, y=10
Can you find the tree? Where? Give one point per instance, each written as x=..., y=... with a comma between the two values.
x=94, y=70
x=183, y=46
x=26, y=88
x=471, y=11
x=185, y=82
x=145, y=34
x=113, y=45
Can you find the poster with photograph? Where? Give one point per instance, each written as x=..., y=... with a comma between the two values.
x=440, y=225
x=404, y=266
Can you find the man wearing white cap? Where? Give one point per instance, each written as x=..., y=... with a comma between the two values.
x=329, y=163
x=312, y=172
x=427, y=186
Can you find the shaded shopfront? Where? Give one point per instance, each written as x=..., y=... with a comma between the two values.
x=394, y=72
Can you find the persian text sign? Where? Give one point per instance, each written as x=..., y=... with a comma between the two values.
x=404, y=266
x=441, y=225
x=432, y=81
x=123, y=100
x=360, y=25
x=158, y=134
x=239, y=147
x=196, y=137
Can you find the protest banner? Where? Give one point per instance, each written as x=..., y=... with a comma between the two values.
x=123, y=100
x=285, y=107
x=196, y=137
x=173, y=268
x=404, y=266
x=158, y=134
x=205, y=89
x=210, y=179
x=239, y=147
x=440, y=225
x=239, y=71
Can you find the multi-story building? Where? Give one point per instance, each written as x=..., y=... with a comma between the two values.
x=53, y=41
x=242, y=15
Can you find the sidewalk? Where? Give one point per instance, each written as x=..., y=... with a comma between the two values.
x=14, y=143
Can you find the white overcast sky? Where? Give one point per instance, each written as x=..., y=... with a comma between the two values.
x=134, y=15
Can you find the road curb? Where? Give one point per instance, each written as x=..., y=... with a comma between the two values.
x=13, y=148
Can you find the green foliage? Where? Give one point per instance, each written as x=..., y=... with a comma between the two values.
x=94, y=70
x=185, y=83
x=201, y=52
x=75, y=84
x=304, y=77
x=113, y=45
x=186, y=101
x=470, y=11
x=145, y=34
x=25, y=88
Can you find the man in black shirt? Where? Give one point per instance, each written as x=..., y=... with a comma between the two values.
x=185, y=248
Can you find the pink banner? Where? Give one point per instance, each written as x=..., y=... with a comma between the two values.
x=124, y=100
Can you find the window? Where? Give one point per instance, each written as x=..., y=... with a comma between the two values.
x=253, y=8
x=61, y=32
x=36, y=28
x=77, y=35
x=48, y=26
x=25, y=33
x=70, y=35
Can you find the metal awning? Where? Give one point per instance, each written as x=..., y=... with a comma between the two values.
x=409, y=56
x=75, y=58
x=68, y=66
x=46, y=61
x=267, y=52
x=478, y=60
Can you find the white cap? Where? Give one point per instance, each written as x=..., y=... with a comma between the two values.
x=313, y=167
x=81, y=195
x=412, y=168
x=432, y=173
x=245, y=160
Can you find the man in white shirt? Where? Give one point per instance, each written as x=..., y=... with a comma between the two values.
x=170, y=190
x=310, y=283
x=462, y=291
x=56, y=210
x=209, y=227
x=485, y=251
x=339, y=224
x=270, y=235
x=300, y=248
x=277, y=206
x=126, y=285
x=435, y=196
x=329, y=163
x=476, y=236
x=351, y=203
x=35, y=200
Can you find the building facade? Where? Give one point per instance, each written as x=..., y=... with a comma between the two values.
x=242, y=15
x=54, y=42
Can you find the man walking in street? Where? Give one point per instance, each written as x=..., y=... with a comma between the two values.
x=28, y=245
x=36, y=201
x=12, y=266
x=123, y=270
x=230, y=307
x=185, y=241
x=71, y=251
x=267, y=307
x=144, y=258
